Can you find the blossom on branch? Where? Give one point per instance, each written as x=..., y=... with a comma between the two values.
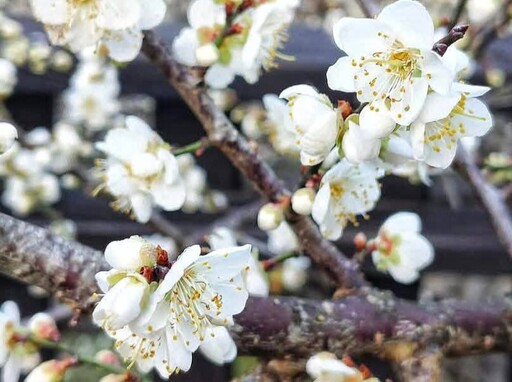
x=390, y=63
x=140, y=170
x=315, y=121
x=400, y=249
x=160, y=311
x=241, y=43
x=346, y=192
x=115, y=25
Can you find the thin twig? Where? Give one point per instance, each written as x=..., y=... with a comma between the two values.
x=490, y=197
x=368, y=7
x=455, y=34
x=457, y=13
x=489, y=31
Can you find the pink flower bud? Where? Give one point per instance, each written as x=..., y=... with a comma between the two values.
x=44, y=327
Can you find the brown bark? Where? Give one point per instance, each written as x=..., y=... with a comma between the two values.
x=374, y=322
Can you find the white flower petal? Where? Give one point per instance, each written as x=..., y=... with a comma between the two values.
x=358, y=37
x=340, y=76
x=402, y=222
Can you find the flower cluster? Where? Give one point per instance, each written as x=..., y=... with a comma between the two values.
x=140, y=170
x=92, y=99
x=18, y=351
x=113, y=25
x=234, y=38
x=160, y=310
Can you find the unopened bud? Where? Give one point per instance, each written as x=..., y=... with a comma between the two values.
x=43, y=326
x=207, y=55
x=270, y=217
x=51, y=371
x=360, y=241
x=344, y=108
x=302, y=201
x=107, y=357
x=162, y=257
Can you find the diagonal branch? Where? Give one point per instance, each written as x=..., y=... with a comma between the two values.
x=223, y=135
x=491, y=198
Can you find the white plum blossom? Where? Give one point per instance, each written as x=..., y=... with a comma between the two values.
x=140, y=170
x=325, y=367
x=446, y=119
x=246, y=47
x=282, y=240
x=254, y=276
x=24, y=195
x=8, y=135
x=294, y=274
x=390, y=63
x=92, y=98
x=279, y=126
x=400, y=249
x=315, y=121
x=16, y=357
x=357, y=146
x=160, y=311
x=113, y=24
x=8, y=78
x=346, y=191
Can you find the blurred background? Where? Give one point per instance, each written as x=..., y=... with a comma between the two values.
x=470, y=262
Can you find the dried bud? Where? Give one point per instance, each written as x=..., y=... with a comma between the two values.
x=344, y=108
x=43, y=326
x=360, y=241
x=302, y=201
x=147, y=273
x=270, y=217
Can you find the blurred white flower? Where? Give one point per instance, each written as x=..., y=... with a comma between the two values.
x=115, y=24
x=315, y=121
x=282, y=240
x=279, y=126
x=140, y=170
x=8, y=78
x=390, y=62
x=295, y=273
x=43, y=326
x=92, y=97
x=218, y=346
x=16, y=357
x=346, y=191
x=400, y=249
x=24, y=195
x=8, y=135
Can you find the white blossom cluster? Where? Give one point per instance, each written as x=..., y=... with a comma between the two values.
x=114, y=26
x=236, y=42
x=160, y=310
x=18, y=354
x=92, y=98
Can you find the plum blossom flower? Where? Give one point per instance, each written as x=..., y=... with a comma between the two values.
x=16, y=357
x=8, y=135
x=279, y=126
x=92, y=99
x=445, y=120
x=160, y=311
x=115, y=24
x=400, y=249
x=249, y=45
x=140, y=170
x=346, y=191
x=8, y=78
x=325, y=367
x=315, y=121
x=390, y=63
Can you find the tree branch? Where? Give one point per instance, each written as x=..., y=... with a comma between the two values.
x=490, y=197
x=223, y=135
x=374, y=322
